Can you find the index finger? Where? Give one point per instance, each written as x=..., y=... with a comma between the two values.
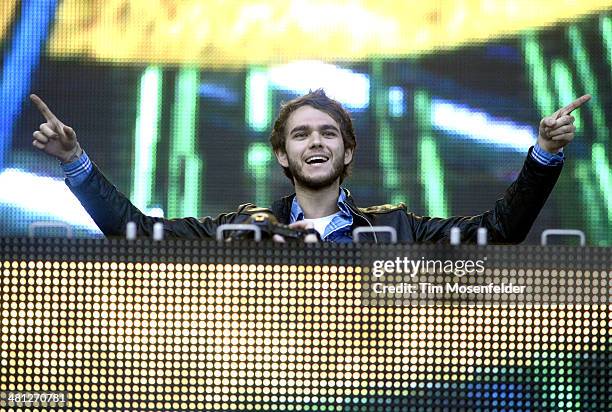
x=43, y=109
x=573, y=105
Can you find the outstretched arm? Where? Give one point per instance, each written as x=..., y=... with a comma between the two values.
x=109, y=208
x=514, y=214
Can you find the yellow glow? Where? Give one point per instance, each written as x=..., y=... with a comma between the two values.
x=217, y=33
x=7, y=14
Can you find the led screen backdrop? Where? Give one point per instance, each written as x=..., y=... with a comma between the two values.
x=174, y=101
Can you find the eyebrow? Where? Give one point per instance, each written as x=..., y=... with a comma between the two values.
x=322, y=127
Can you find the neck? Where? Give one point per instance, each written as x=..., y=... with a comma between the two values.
x=320, y=202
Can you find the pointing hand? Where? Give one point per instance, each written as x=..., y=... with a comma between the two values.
x=54, y=137
x=558, y=129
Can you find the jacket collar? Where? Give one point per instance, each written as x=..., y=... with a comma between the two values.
x=281, y=208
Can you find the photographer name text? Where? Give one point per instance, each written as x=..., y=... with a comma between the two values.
x=449, y=287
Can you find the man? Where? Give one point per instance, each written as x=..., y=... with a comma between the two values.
x=314, y=141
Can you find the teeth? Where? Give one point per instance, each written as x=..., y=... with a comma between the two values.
x=316, y=158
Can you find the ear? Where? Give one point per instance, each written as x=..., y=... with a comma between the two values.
x=281, y=158
x=348, y=156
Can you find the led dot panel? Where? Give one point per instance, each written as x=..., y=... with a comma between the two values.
x=183, y=325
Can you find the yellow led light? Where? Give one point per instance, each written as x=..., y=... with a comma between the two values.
x=215, y=33
x=217, y=333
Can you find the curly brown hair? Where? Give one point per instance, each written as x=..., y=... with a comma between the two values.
x=318, y=100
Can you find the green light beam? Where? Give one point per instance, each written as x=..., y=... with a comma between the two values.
x=258, y=159
x=537, y=73
x=589, y=82
x=258, y=111
x=603, y=174
x=605, y=24
x=146, y=137
x=430, y=164
x=590, y=198
x=258, y=107
x=387, y=142
x=185, y=166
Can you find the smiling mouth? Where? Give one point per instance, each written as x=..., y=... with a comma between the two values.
x=317, y=159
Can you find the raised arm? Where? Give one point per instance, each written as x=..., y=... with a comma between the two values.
x=108, y=207
x=514, y=214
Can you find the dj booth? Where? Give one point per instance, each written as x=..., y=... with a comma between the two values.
x=187, y=325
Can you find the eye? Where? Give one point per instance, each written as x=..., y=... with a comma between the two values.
x=330, y=133
x=299, y=135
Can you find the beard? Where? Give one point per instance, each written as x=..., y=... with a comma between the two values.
x=316, y=182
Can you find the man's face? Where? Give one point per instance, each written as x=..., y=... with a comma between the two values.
x=314, y=149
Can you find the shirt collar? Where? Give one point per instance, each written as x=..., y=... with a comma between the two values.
x=298, y=214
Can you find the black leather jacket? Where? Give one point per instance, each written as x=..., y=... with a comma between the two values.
x=508, y=222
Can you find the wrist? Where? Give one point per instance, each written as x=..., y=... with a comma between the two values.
x=72, y=156
x=552, y=149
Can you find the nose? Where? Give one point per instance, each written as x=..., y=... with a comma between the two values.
x=315, y=139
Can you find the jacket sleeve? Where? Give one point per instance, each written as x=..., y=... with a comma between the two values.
x=509, y=221
x=112, y=210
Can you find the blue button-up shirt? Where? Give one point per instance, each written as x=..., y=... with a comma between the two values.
x=339, y=229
